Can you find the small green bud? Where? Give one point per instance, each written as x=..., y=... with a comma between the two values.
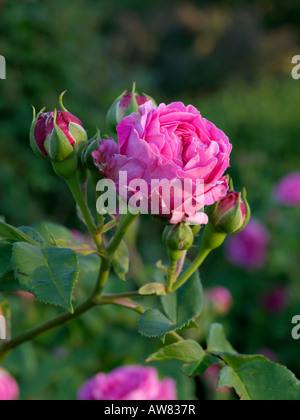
x=178, y=238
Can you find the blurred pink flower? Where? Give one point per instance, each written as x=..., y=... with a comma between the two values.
x=77, y=235
x=269, y=354
x=25, y=295
x=211, y=378
x=287, y=190
x=249, y=248
x=9, y=389
x=221, y=299
x=128, y=383
x=276, y=300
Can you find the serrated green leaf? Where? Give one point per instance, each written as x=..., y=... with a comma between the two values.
x=237, y=360
x=33, y=234
x=255, y=378
x=121, y=261
x=217, y=341
x=8, y=232
x=51, y=232
x=181, y=307
x=153, y=289
x=49, y=273
x=186, y=351
x=5, y=257
x=155, y=324
x=186, y=303
x=200, y=366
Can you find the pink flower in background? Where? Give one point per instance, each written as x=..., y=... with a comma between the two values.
x=276, y=300
x=220, y=299
x=78, y=236
x=9, y=389
x=287, y=190
x=211, y=378
x=249, y=248
x=169, y=143
x=269, y=354
x=128, y=383
x=25, y=295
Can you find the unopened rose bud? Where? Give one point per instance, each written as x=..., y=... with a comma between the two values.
x=178, y=239
x=55, y=135
x=232, y=213
x=125, y=105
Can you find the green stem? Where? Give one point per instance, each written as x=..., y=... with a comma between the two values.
x=114, y=296
x=63, y=319
x=180, y=265
x=102, y=277
x=44, y=328
x=110, y=251
x=109, y=226
x=82, y=204
x=128, y=220
x=211, y=240
x=192, y=268
x=171, y=276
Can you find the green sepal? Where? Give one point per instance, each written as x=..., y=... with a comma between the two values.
x=248, y=210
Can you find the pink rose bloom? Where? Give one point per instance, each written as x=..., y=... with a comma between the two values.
x=221, y=299
x=249, y=248
x=287, y=191
x=169, y=143
x=128, y=383
x=9, y=389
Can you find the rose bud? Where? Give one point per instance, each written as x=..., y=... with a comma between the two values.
x=232, y=213
x=55, y=135
x=178, y=238
x=125, y=105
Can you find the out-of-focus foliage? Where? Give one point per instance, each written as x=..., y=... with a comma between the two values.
x=231, y=59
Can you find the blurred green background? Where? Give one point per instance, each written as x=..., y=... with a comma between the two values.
x=232, y=60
